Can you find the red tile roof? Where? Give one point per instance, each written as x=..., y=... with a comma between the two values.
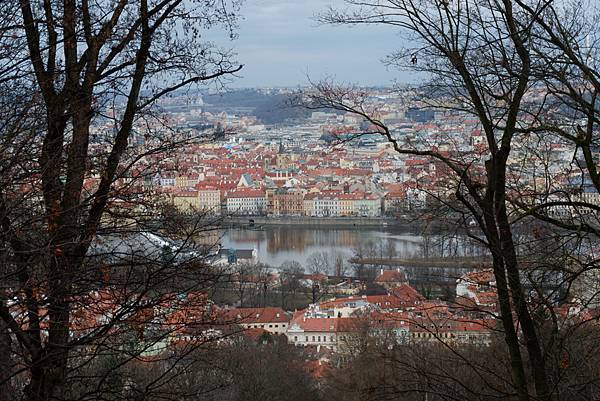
x=391, y=276
x=328, y=324
x=246, y=193
x=257, y=315
x=406, y=293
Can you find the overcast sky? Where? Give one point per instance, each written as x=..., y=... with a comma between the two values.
x=280, y=44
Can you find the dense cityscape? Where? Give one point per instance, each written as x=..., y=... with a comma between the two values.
x=172, y=229
x=320, y=169
x=323, y=165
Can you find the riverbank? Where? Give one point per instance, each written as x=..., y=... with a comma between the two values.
x=305, y=221
x=410, y=225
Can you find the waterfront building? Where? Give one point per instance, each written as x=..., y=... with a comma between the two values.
x=327, y=206
x=247, y=202
x=185, y=201
x=285, y=202
x=209, y=199
x=368, y=205
x=394, y=202
x=204, y=200
x=309, y=204
x=338, y=204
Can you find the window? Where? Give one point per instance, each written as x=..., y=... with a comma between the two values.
x=313, y=338
x=306, y=339
x=295, y=338
x=319, y=339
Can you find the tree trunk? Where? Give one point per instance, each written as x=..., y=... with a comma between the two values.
x=6, y=390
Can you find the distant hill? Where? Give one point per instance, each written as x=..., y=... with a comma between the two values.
x=268, y=108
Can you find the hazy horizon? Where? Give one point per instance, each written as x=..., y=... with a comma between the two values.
x=282, y=45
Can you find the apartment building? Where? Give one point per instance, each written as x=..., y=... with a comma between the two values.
x=209, y=200
x=247, y=202
x=285, y=202
x=342, y=205
x=185, y=201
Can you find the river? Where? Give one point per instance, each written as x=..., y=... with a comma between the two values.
x=278, y=244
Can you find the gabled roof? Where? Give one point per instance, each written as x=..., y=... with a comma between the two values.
x=246, y=179
x=391, y=276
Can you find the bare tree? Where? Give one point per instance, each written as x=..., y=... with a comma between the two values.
x=379, y=368
x=339, y=265
x=489, y=60
x=290, y=275
x=72, y=187
x=318, y=263
x=389, y=248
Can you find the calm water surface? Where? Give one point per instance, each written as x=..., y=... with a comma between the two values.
x=276, y=245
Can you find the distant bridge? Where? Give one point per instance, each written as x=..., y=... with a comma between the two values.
x=465, y=262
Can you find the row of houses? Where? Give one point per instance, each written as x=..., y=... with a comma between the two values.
x=278, y=202
x=339, y=324
x=342, y=205
x=400, y=316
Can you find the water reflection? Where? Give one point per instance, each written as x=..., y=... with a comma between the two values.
x=276, y=245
